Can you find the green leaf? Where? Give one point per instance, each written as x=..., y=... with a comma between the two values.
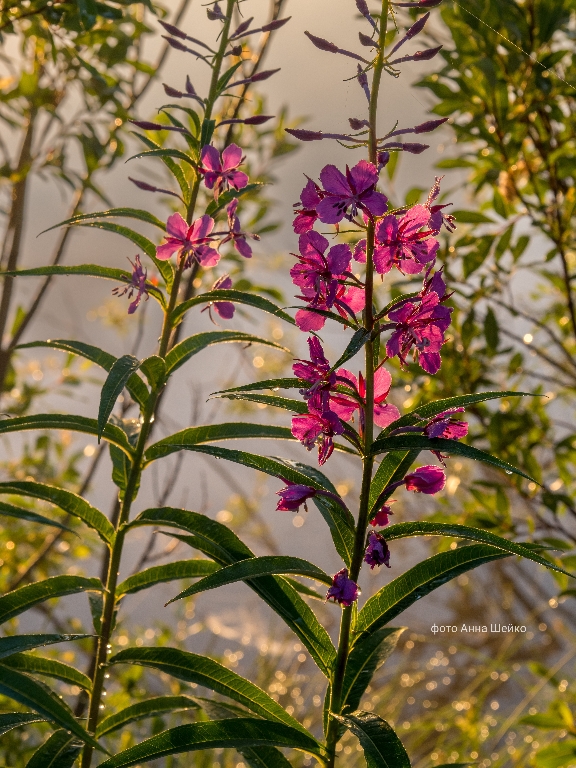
x=273, y=384
x=21, y=599
x=491, y=330
x=193, y=668
x=354, y=346
x=154, y=368
x=558, y=755
x=450, y=447
x=159, y=574
x=223, y=546
x=382, y=747
x=119, y=374
x=38, y=697
x=159, y=705
x=418, y=582
x=183, y=351
x=111, y=433
x=255, y=567
x=164, y=267
x=234, y=733
x=237, y=297
x=169, y=162
x=365, y=659
x=131, y=213
x=9, y=720
x=403, y=530
x=393, y=467
x=189, y=438
x=9, y=510
x=37, y=665
x=164, y=152
x=264, y=757
x=19, y=643
x=60, y=750
x=471, y=217
x=134, y=385
x=89, y=270
x=66, y=500
x=295, y=406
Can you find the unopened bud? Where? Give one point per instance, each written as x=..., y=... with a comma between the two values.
x=304, y=135
x=324, y=45
x=430, y=125
x=429, y=53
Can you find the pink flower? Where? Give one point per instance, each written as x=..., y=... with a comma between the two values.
x=381, y=518
x=316, y=371
x=428, y=479
x=317, y=426
x=316, y=271
x=235, y=233
x=402, y=243
x=223, y=308
x=222, y=173
x=307, y=215
x=345, y=406
x=293, y=496
x=345, y=195
x=377, y=552
x=444, y=426
x=348, y=302
x=191, y=242
x=137, y=284
x=421, y=325
x=343, y=590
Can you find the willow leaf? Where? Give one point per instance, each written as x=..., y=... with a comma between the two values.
x=159, y=574
x=236, y=297
x=183, y=351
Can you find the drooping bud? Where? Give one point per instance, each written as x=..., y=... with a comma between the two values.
x=362, y=6
x=172, y=30
x=172, y=92
x=357, y=124
x=303, y=135
x=430, y=125
x=367, y=41
x=274, y=25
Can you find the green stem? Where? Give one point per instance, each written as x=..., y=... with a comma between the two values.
x=336, y=703
x=147, y=420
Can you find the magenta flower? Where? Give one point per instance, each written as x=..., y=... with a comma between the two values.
x=293, y=496
x=345, y=406
x=348, y=302
x=421, y=325
x=402, y=243
x=444, y=426
x=316, y=371
x=318, y=270
x=377, y=552
x=136, y=285
x=222, y=173
x=437, y=218
x=307, y=215
x=191, y=242
x=429, y=479
x=343, y=590
x=317, y=426
x=223, y=308
x=235, y=233
x=381, y=518
x=345, y=195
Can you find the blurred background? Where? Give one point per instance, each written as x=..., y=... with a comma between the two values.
x=506, y=81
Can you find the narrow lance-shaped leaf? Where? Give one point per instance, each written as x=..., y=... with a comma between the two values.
x=365, y=659
x=88, y=270
x=183, y=351
x=38, y=697
x=10, y=720
x=111, y=432
x=20, y=643
x=354, y=346
x=294, y=406
x=253, y=568
x=119, y=374
x=267, y=384
x=159, y=574
x=21, y=599
x=204, y=671
x=66, y=500
x=403, y=530
x=233, y=733
x=134, y=385
x=237, y=297
x=393, y=467
x=382, y=747
x=131, y=213
x=9, y=510
x=37, y=665
x=60, y=750
x=418, y=582
x=143, y=709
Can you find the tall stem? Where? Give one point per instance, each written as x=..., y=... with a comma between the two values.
x=336, y=703
x=147, y=420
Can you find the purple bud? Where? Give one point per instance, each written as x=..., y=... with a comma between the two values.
x=143, y=185
x=148, y=126
x=303, y=135
x=367, y=41
x=415, y=149
x=362, y=6
x=259, y=76
x=258, y=119
x=172, y=92
x=242, y=28
x=356, y=124
x=417, y=27
x=383, y=159
x=274, y=25
x=429, y=53
x=431, y=125
x=175, y=44
x=377, y=552
x=419, y=4
x=236, y=50
x=172, y=30
x=190, y=87
x=215, y=13
x=363, y=80
x=324, y=45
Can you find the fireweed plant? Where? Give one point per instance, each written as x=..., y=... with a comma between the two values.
x=336, y=403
